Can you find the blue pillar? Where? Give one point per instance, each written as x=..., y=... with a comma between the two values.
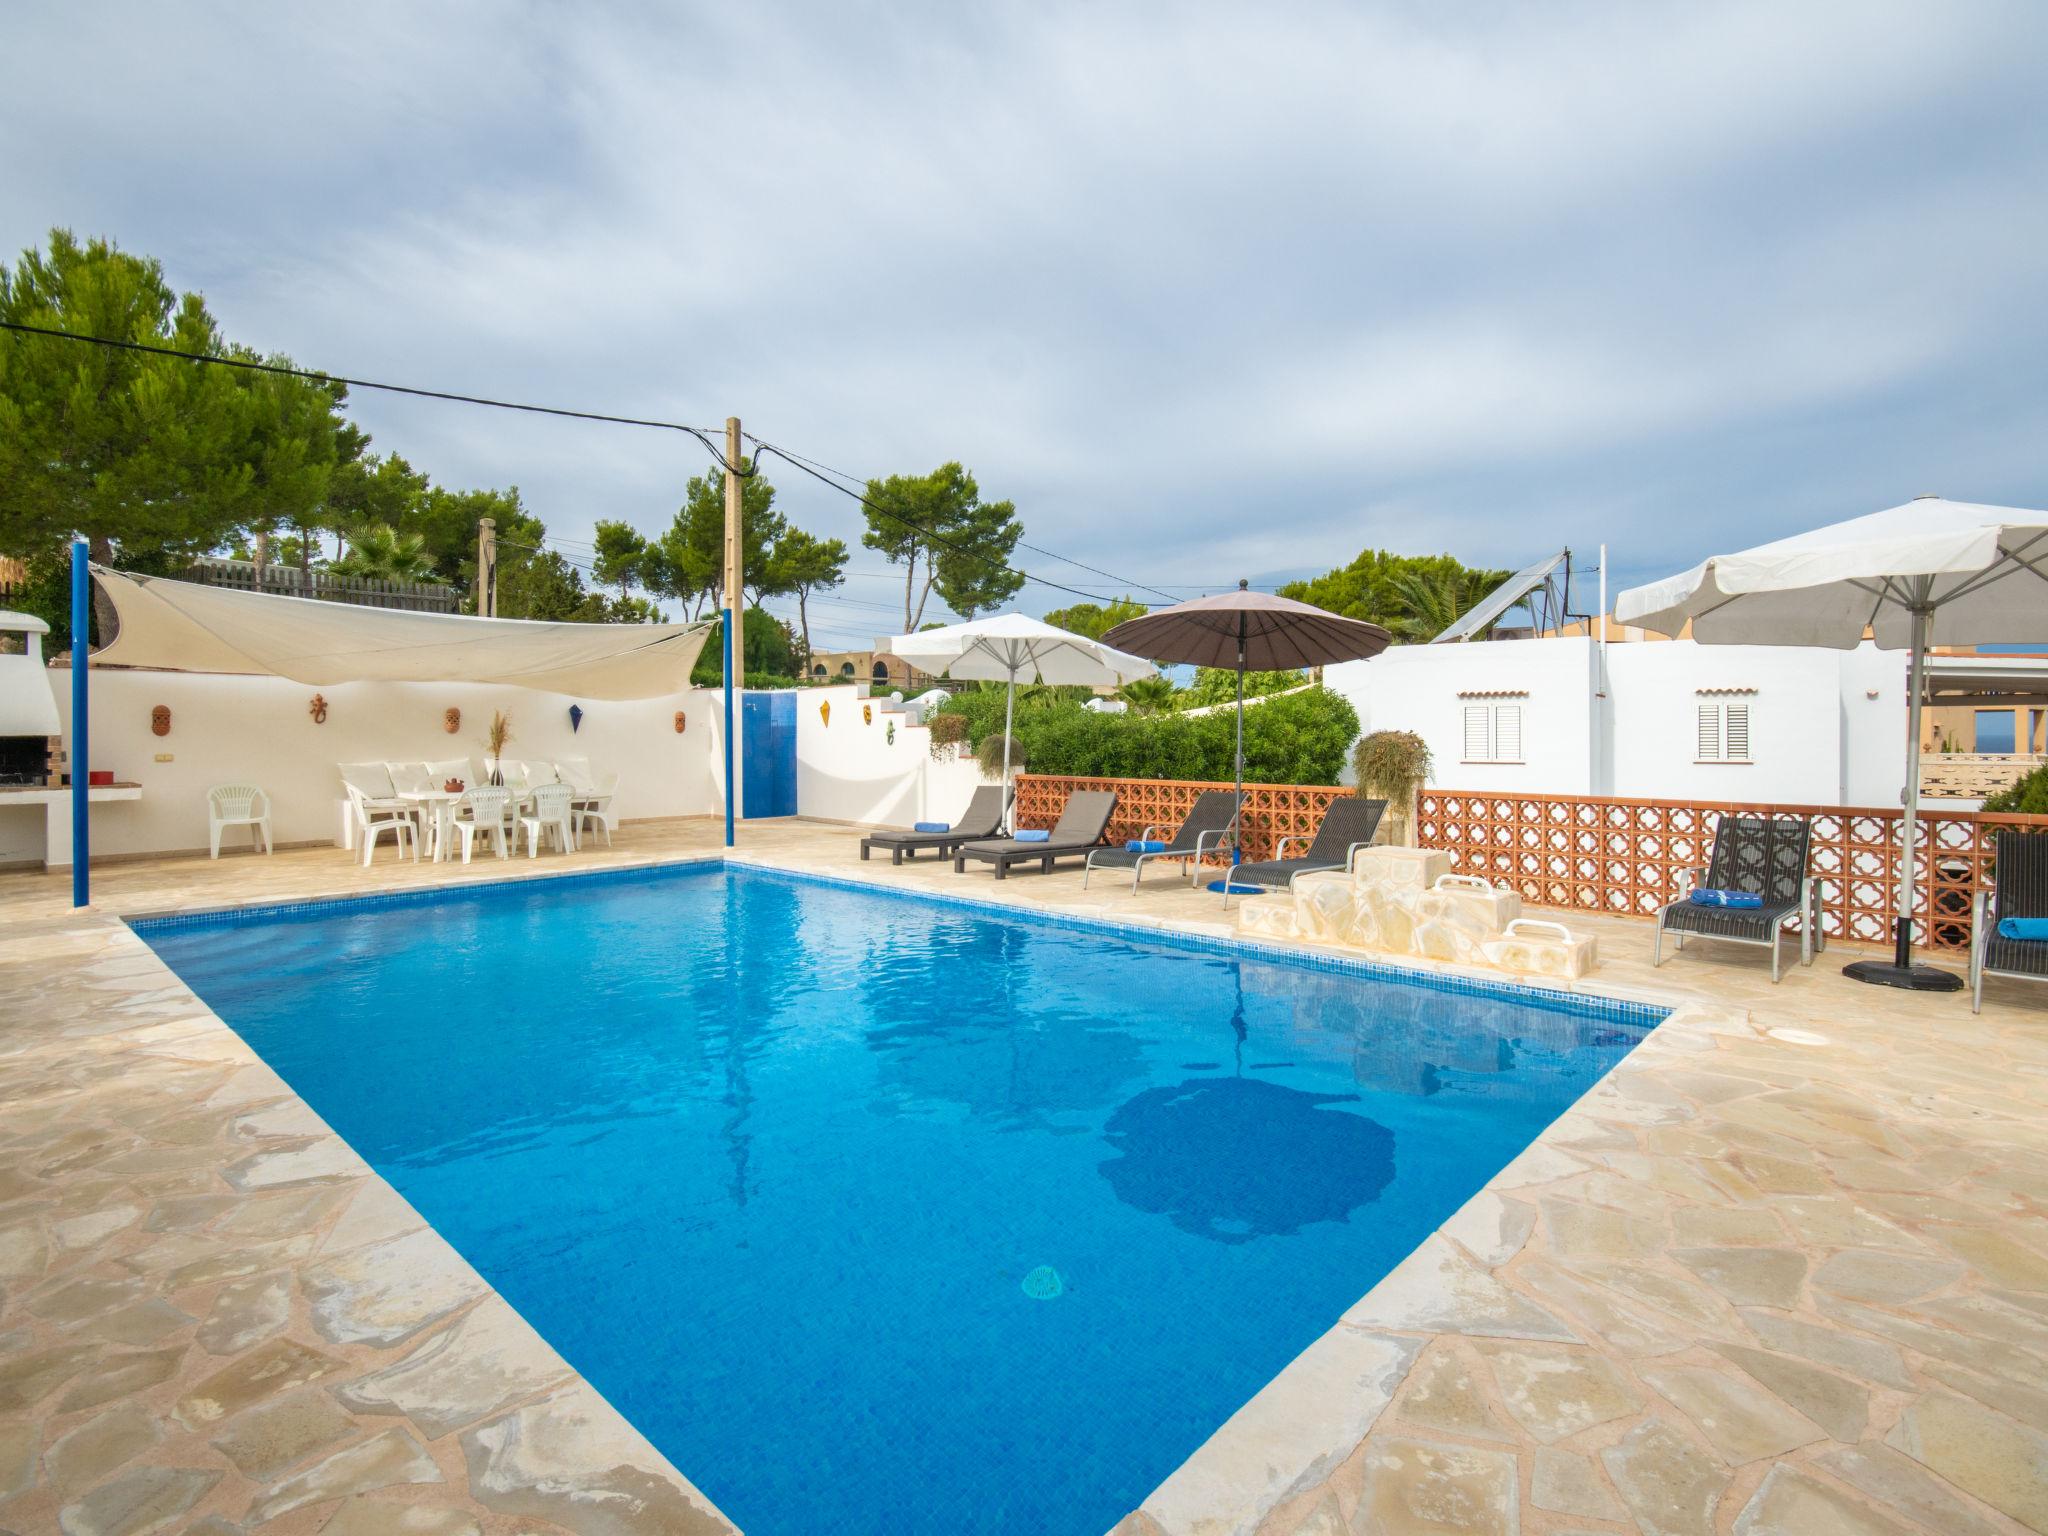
x=726, y=627
x=81, y=758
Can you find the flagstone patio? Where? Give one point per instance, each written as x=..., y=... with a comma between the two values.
x=1785, y=1271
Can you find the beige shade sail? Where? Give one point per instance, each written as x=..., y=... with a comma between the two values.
x=183, y=627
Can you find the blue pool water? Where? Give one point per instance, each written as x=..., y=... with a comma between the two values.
x=878, y=1214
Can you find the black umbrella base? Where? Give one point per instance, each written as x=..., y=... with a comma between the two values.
x=1911, y=978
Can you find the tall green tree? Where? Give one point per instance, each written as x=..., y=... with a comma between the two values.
x=946, y=538
x=621, y=556
x=1385, y=588
x=802, y=565
x=379, y=552
x=690, y=563
x=1095, y=619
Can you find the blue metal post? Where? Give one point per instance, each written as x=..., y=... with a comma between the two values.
x=730, y=792
x=81, y=758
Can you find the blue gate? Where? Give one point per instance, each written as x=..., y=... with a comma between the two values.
x=768, y=746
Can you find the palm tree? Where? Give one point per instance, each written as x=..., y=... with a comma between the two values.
x=379, y=552
x=1431, y=601
x=1147, y=695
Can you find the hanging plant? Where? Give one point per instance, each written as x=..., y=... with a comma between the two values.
x=989, y=754
x=949, y=735
x=1389, y=766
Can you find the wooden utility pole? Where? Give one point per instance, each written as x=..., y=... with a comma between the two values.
x=487, y=567
x=732, y=582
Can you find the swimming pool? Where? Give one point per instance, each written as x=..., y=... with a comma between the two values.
x=877, y=1213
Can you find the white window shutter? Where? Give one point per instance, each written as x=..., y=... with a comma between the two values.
x=1737, y=733
x=1507, y=733
x=1710, y=733
x=1478, y=743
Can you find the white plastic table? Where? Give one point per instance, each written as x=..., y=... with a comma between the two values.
x=442, y=802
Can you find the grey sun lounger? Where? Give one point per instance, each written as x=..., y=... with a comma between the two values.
x=1080, y=828
x=982, y=818
x=1348, y=825
x=2021, y=869
x=1764, y=854
x=1210, y=823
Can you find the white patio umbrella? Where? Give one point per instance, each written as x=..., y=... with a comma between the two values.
x=1931, y=572
x=1007, y=646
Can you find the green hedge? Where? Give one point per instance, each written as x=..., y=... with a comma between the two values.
x=1299, y=739
x=2029, y=797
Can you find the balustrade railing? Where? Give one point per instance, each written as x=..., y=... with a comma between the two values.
x=1621, y=857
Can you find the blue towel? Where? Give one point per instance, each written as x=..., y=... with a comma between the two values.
x=1033, y=837
x=1706, y=896
x=1145, y=845
x=931, y=826
x=1237, y=888
x=2034, y=929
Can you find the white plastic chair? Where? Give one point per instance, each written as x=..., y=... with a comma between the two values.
x=238, y=805
x=486, y=808
x=596, y=805
x=373, y=819
x=551, y=813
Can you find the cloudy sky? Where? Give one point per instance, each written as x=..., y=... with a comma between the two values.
x=1207, y=290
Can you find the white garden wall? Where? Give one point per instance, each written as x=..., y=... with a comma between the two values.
x=848, y=769
x=260, y=730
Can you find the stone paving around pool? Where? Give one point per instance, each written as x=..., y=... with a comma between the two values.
x=1783, y=1273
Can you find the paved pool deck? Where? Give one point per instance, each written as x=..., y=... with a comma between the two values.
x=1784, y=1271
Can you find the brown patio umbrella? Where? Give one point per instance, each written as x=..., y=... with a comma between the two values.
x=1256, y=631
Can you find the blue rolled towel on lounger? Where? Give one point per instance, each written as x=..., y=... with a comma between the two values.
x=931, y=826
x=1144, y=845
x=2030, y=928
x=1033, y=837
x=1707, y=896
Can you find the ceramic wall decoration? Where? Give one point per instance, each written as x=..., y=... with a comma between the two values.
x=318, y=709
x=867, y=714
x=890, y=737
x=575, y=718
x=679, y=722
x=160, y=720
x=825, y=710
x=451, y=720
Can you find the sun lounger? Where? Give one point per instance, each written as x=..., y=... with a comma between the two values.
x=1347, y=826
x=1080, y=828
x=1209, y=826
x=983, y=818
x=1764, y=856
x=2021, y=872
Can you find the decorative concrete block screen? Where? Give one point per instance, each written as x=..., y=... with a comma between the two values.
x=1272, y=811
x=1628, y=857
x=1596, y=854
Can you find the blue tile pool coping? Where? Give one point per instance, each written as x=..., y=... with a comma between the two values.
x=1608, y=1009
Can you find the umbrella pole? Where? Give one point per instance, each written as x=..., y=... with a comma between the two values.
x=1900, y=971
x=1237, y=851
x=1009, y=713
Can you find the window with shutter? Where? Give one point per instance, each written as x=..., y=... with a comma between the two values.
x=1478, y=733
x=1735, y=733
x=1507, y=733
x=1710, y=733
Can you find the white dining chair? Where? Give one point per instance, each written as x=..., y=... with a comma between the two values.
x=238, y=805
x=485, y=809
x=596, y=806
x=373, y=820
x=551, y=813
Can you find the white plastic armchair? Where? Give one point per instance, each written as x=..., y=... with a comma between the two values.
x=238, y=805
x=551, y=813
x=482, y=811
x=595, y=805
x=372, y=820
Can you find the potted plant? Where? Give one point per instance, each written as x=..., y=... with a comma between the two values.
x=1392, y=766
x=494, y=744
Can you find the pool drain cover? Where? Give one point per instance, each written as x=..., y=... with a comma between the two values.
x=1043, y=1283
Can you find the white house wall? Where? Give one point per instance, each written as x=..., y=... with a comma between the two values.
x=1826, y=727
x=260, y=730
x=847, y=768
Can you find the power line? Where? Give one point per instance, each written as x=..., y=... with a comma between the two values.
x=252, y=366
x=819, y=470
